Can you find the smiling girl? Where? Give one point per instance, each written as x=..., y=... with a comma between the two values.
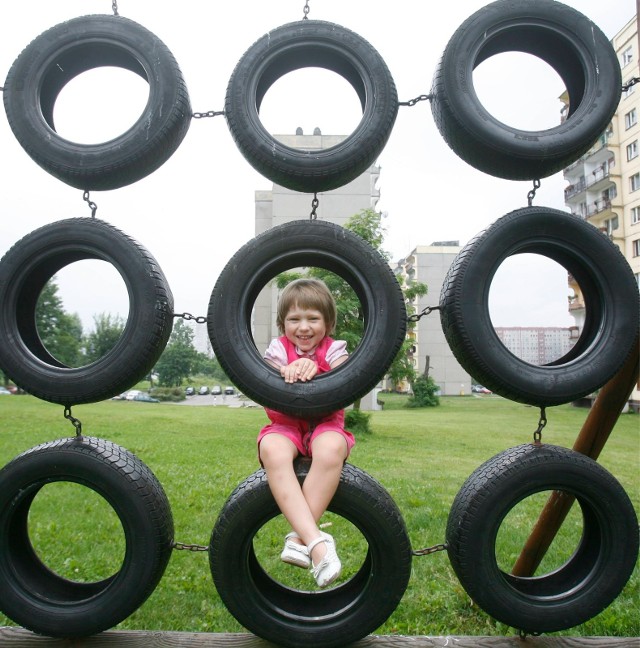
x=306, y=316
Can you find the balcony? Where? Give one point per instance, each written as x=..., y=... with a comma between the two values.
x=598, y=179
x=598, y=207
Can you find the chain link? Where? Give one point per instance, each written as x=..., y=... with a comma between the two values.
x=314, y=206
x=630, y=83
x=181, y=546
x=430, y=550
x=532, y=194
x=209, y=113
x=77, y=424
x=114, y=6
x=189, y=316
x=92, y=206
x=425, y=311
x=413, y=102
x=537, y=435
x=306, y=11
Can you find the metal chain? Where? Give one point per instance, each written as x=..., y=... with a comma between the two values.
x=430, y=550
x=209, y=113
x=630, y=83
x=426, y=311
x=92, y=206
x=77, y=424
x=189, y=316
x=181, y=546
x=114, y=6
x=413, y=102
x=537, y=435
x=314, y=206
x=306, y=11
x=532, y=194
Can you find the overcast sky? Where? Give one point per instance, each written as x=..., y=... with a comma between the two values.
x=198, y=208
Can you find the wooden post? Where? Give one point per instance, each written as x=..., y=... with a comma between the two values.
x=601, y=420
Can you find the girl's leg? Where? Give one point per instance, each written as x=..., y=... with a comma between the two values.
x=277, y=453
x=329, y=452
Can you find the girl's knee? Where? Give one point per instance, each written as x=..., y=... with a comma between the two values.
x=276, y=449
x=330, y=448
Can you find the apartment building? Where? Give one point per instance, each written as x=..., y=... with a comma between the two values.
x=538, y=345
x=604, y=184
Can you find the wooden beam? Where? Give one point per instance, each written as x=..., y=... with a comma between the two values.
x=19, y=638
x=597, y=427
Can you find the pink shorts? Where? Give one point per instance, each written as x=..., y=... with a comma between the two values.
x=302, y=432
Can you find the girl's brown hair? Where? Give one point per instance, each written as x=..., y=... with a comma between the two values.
x=307, y=294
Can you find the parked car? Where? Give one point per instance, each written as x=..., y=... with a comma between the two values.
x=132, y=393
x=4, y=391
x=190, y=391
x=203, y=391
x=216, y=390
x=229, y=390
x=145, y=398
x=479, y=389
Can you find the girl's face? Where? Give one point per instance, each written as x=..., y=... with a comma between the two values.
x=304, y=327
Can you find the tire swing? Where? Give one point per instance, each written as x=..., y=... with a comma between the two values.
x=24, y=271
x=559, y=35
x=35, y=596
x=294, y=617
x=303, y=44
x=306, y=244
x=63, y=52
x=605, y=279
x=574, y=592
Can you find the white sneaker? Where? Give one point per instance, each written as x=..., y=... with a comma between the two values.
x=295, y=553
x=329, y=568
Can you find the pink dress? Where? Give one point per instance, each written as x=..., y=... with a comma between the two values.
x=300, y=431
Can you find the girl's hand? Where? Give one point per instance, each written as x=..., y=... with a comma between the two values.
x=301, y=370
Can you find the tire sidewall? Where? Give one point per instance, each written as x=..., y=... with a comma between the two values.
x=612, y=307
x=130, y=156
x=494, y=489
x=306, y=244
x=335, y=47
x=45, y=609
x=24, y=270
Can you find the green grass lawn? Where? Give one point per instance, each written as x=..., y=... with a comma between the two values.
x=199, y=454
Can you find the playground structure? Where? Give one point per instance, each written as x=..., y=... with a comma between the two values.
x=362, y=604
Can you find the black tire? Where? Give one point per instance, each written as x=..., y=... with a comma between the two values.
x=610, y=294
x=581, y=588
x=306, y=244
x=24, y=271
x=39, y=599
x=311, y=43
x=63, y=52
x=559, y=35
x=322, y=619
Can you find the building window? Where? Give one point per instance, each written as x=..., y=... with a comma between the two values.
x=629, y=90
x=632, y=150
x=627, y=56
x=611, y=224
x=635, y=215
x=636, y=247
x=631, y=118
x=634, y=182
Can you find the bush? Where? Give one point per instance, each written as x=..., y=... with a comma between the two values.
x=424, y=393
x=170, y=394
x=357, y=422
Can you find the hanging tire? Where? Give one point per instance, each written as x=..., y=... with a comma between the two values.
x=24, y=271
x=591, y=578
x=306, y=244
x=63, y=52
x=294, y=617
x=559, y=35
x=610, y=294
x=36, y=597
x=311, y=43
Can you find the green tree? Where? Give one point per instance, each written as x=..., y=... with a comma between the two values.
x=107, y=331
x=350, y=319
x=179, y=357
x=60, y=332
x=424, y=392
